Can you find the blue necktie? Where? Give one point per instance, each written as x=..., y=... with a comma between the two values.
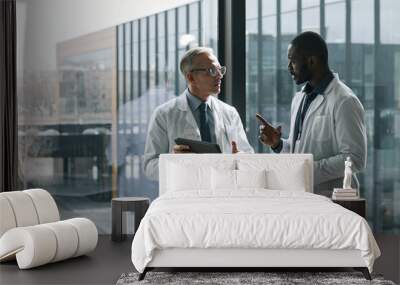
x=204, y=126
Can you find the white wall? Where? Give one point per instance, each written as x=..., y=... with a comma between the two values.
x=47, y=22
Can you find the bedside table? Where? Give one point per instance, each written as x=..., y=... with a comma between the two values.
x=358, y=206
x=138, y=205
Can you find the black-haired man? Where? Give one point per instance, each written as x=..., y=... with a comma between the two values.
x=327, y=119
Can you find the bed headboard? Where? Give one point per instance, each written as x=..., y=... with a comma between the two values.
x=296, y=168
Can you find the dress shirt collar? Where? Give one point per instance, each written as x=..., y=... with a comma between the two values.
x=194, y=102
x=321, y=87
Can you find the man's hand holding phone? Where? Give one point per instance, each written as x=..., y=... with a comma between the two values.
x=268, y=134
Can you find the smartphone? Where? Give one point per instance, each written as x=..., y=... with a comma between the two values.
x=263, y=121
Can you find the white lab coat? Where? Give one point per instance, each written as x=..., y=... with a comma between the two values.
x=333, y=129
x=175, y=119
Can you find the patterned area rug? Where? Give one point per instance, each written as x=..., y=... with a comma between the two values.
x=229, y=278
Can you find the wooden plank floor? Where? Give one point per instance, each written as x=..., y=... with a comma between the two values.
x=111, y=259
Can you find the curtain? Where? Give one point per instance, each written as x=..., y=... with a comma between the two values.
x=8, y=97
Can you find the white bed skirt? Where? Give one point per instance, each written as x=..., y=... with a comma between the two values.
x=189, y=257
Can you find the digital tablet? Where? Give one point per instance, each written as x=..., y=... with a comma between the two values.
x=199, y=146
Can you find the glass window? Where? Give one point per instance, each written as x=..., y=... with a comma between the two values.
x=161, y=25
x=120, y=65
x=252, y=76
x=65, y=120
x=362, y=24
x=127, y=68
x=87, y=89
x=194, y=18
x=289, y=17
x=335, y=21
x=159, y=41
x=268, y=22
x=161, y=55
x=310, y=15
x=182, y=20
x=389, y=19
x=209, y=23
x=152, y=52
x=369, y=63
x=171, y=50
x=135, y=61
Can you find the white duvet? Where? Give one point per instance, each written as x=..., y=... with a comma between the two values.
x=250, y=219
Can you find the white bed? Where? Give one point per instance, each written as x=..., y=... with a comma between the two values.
x=247, y=211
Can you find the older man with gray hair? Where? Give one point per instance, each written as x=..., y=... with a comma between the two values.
x=196, y=114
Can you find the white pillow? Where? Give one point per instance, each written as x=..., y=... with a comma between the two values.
x=251, y=178
x=223, y=179
x=292, y=178
x=183, y=177
x=281, y=174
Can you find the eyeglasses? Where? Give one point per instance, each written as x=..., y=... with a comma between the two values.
x=212, y=71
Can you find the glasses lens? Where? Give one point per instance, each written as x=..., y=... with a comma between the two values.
x=213, y=71
x=223, y=70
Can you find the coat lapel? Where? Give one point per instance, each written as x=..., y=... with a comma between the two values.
x=296, y=106
x=189, y=118
x=314, y=106
x=321, y=98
